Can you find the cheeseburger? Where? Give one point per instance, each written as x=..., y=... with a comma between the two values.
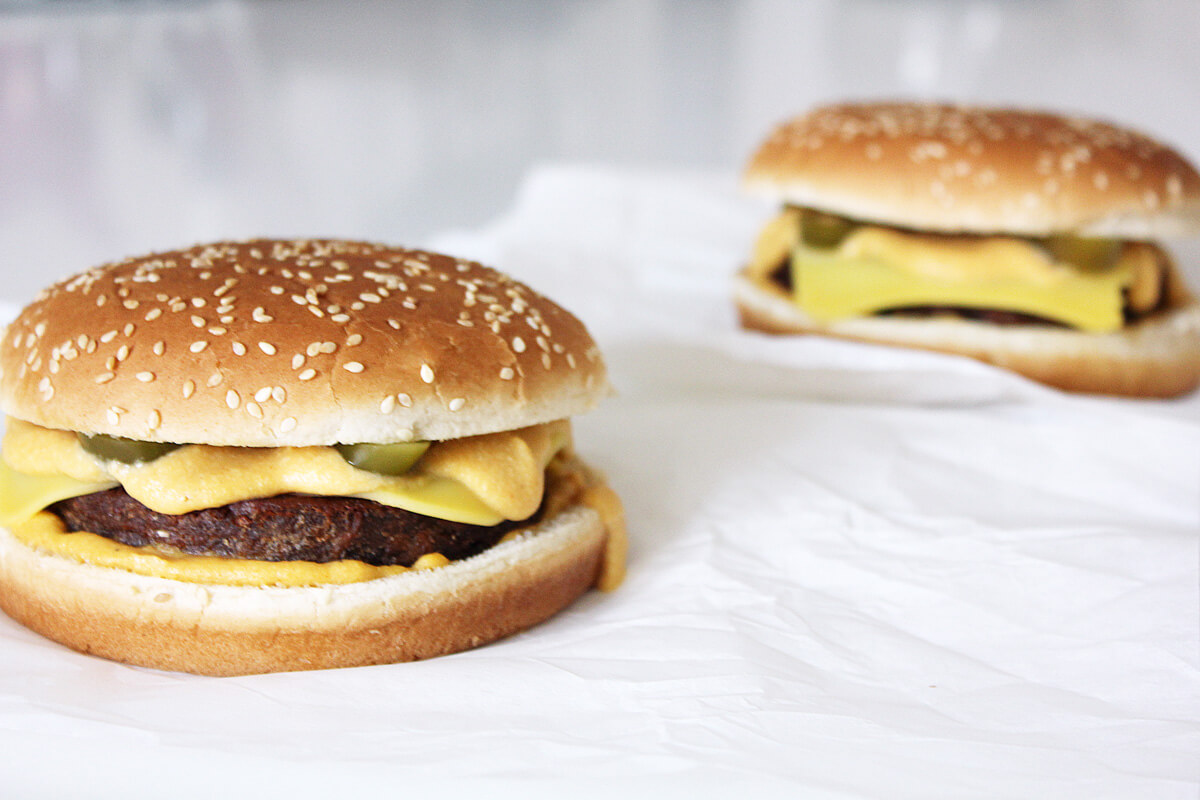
x=1022, y=239
x=283, y=455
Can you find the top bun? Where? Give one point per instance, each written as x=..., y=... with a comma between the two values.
x=289, y=343
x=979, y=170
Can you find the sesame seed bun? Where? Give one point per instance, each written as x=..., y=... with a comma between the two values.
x=271, y=343
x=948, y=169
x=978, y=170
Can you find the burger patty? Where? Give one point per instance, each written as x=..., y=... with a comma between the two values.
x=288, y=527
x=993, y=315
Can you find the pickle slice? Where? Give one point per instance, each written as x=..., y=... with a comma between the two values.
x=385, y=459
x=127, y=451
x=821, y=229
x=1091, y=253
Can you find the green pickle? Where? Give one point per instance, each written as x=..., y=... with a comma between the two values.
x=1091, y=253
x=385, y=459
x=127, y=451
x=824, y=230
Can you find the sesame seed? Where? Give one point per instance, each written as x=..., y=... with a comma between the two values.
x=105, y=377
x=232, y=399
x=239, y=349
x=159, y=348
x=153, y=314
x=199, y=322
x=352, y=366
x=339, y=318
x=313, y=349
x=215, y=379
x=457, y=403
x=354, y=339
x=518, y=344
x=129, y=329
x=130, y=304
x=507, y=374
x=298, y=361
x=189, y=388
x=387, y=405
x=154, y=420
x=328, y=347
x=260, y=315
x=278, y=394
x=108, y=337
x=145, y=377
x=404, y=400
x=113, y=417
x=288, y=425
x=307, y=375
x=217, y=331
x=427, y=373
x=123, y=352
x=263, y=394
x=267, y=348
x=254, y=410
x=198, y=346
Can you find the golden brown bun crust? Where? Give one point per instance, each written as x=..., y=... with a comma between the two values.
x=1158, y=356
x=963, y=169
x=226, y=630
x=268, y=343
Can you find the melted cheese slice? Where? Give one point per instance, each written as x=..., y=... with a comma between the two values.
x=460, y=482
x=477, y=478
x=874, y=269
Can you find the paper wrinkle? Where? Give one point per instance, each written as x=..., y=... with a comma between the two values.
x=853, y=569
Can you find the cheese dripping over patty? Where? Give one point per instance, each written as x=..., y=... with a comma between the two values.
x=841, y=269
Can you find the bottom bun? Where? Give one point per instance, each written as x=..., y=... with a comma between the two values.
x=1158, y=356
x=231, y=630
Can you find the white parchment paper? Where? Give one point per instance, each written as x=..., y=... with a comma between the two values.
x=855, y=572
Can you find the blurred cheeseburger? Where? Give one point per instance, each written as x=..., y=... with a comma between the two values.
x=283, y=455
x=1018, y=238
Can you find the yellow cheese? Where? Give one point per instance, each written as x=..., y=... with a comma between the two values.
x=461, y=485
x=605, y=502
x=876, y=268
x=23, y=495
x=46, y=532
x=454, y=482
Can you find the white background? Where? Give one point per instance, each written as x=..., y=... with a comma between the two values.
x=132, y=126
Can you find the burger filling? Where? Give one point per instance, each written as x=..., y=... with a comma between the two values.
x=326, y=514
x=836, y=268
